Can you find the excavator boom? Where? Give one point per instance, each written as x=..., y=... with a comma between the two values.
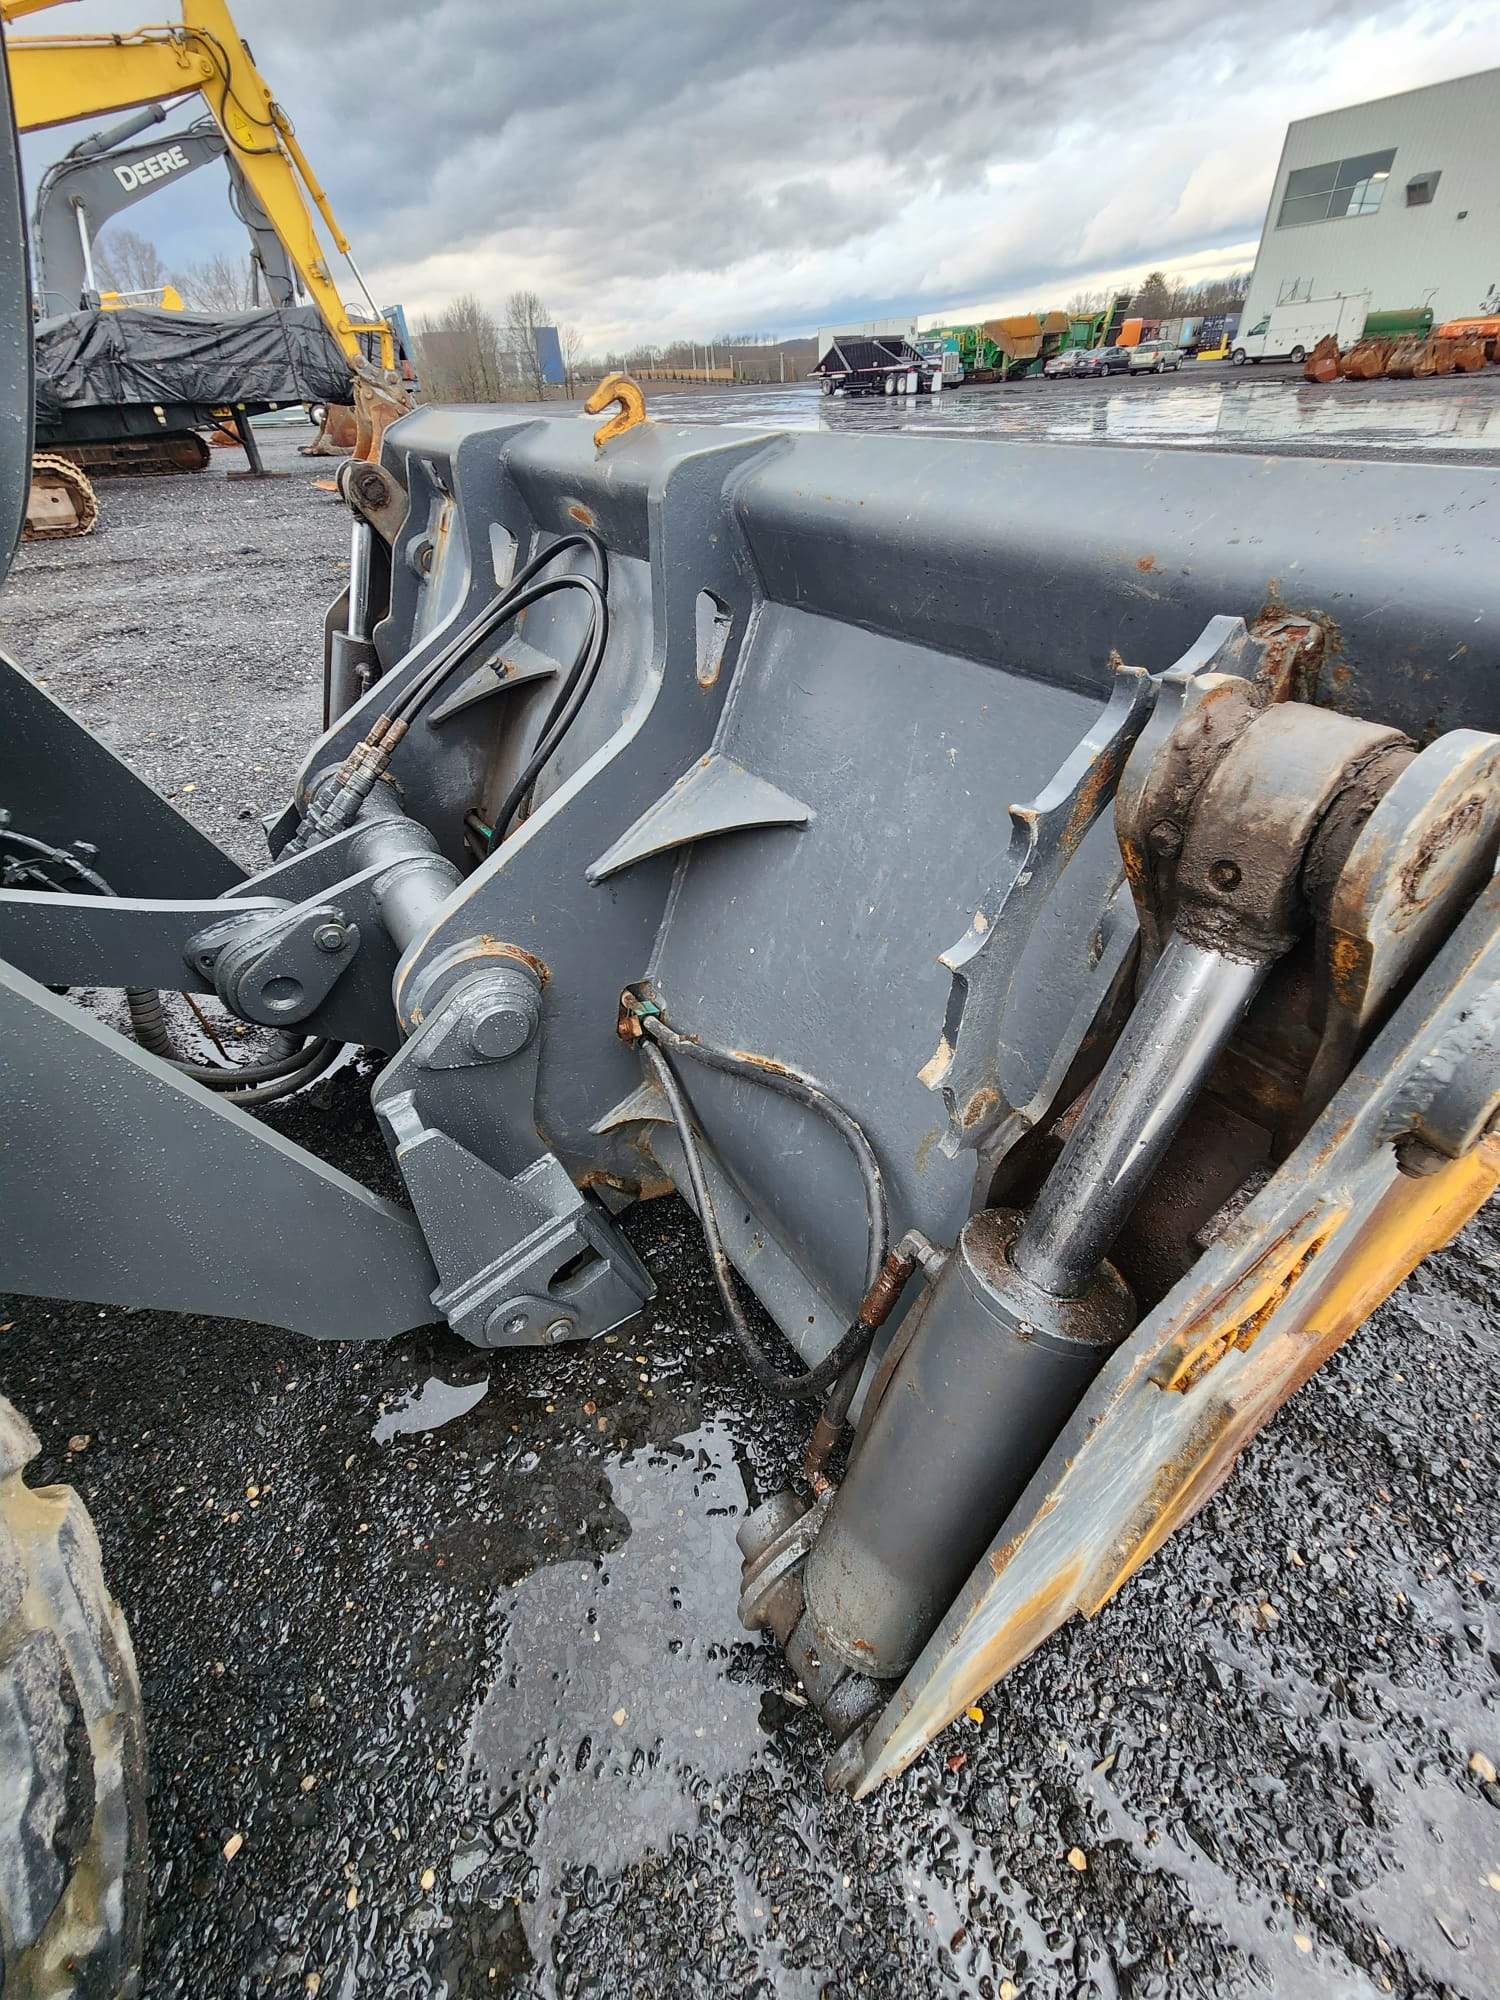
x=57, y=79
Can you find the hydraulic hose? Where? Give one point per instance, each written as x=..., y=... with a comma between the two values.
x=817, y=1097
x=840, y=1368
x=254, y=1083
x=367, y=761
x=148, y=1020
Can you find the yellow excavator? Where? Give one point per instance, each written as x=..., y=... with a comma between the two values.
x=57, y=79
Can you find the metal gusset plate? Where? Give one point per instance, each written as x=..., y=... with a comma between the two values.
x=1290, y=1278
x=714, y=795
x=987, y=1103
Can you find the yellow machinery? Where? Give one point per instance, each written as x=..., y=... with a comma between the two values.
x=57, y=79
x=165, y=298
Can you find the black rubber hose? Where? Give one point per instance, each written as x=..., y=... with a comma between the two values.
x=256, y=1083
x=813, y=1383
x=570, y=698
x=817, y=1097
x=510, y=602
x=324, y=1056
x=59, y=857
x=148, y=1020
x=232, y=1076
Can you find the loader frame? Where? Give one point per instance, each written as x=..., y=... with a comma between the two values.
x=838, y=802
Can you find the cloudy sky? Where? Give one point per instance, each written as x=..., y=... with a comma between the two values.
x=656, y=168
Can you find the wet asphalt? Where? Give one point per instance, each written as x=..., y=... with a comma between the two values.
x=448, y=1640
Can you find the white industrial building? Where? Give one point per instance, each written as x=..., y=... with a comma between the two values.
x=1397, y=200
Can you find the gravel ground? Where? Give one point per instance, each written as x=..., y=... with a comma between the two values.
x=449, y=1640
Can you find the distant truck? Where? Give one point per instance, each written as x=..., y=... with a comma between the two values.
x=1291, y=332
x=941, y=360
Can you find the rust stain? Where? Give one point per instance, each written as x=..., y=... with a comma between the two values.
x=1148, y=566
x=924, y=1147
x=1135, y=865
x=1023, y=1631
x=1413, y=1218
x=1462, y=820
x=762, y=1062
x=1179, y=1487
x=583, y=515
x=1294, y=644
x=1096, y=787
x=490, y=947
x=979, y=1106
x=1193, y=1354
x=1349, y=969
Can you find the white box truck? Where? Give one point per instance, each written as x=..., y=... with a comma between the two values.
x=1291, y=332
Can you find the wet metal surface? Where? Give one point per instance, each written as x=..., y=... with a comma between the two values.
x=392, y=1658
x=1213, y=407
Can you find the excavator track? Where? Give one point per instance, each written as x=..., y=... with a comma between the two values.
x=167, y=451
x=61, y=503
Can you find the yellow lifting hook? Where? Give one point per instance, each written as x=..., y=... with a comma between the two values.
x=616, y=388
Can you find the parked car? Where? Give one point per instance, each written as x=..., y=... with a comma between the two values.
x=1153, y=357
x=1072, y=361
x=1109, y=361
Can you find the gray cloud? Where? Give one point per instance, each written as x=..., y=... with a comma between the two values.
x=757, y=162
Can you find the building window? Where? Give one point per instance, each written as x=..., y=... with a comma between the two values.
x=1421, y=188
x=1328, y=193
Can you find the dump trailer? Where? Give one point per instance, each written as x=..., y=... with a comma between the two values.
x=867, y=365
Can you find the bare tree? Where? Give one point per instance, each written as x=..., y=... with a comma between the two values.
x=126, y=262
x=460, y=354
x=216, y=284
x=524, y=316
x=570, y=339
x=1083, y=305
x=1212, y=295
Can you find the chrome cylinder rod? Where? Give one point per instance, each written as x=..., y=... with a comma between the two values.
x=1194, y=1000
x=361, y=539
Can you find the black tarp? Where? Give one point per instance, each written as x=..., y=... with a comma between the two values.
x=89, y=360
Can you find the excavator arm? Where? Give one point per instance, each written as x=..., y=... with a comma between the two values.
x=59, y=78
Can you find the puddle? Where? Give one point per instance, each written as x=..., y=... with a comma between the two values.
x=1237, y=408
x=427, y=1409
x=618, y=1711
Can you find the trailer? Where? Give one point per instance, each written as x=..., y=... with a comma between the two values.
x=861, y=365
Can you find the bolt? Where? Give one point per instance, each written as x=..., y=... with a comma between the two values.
x=330, y=937
x=1224, y=875
x=503, y=1010
x=557, y=1329
x=504, y=1324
